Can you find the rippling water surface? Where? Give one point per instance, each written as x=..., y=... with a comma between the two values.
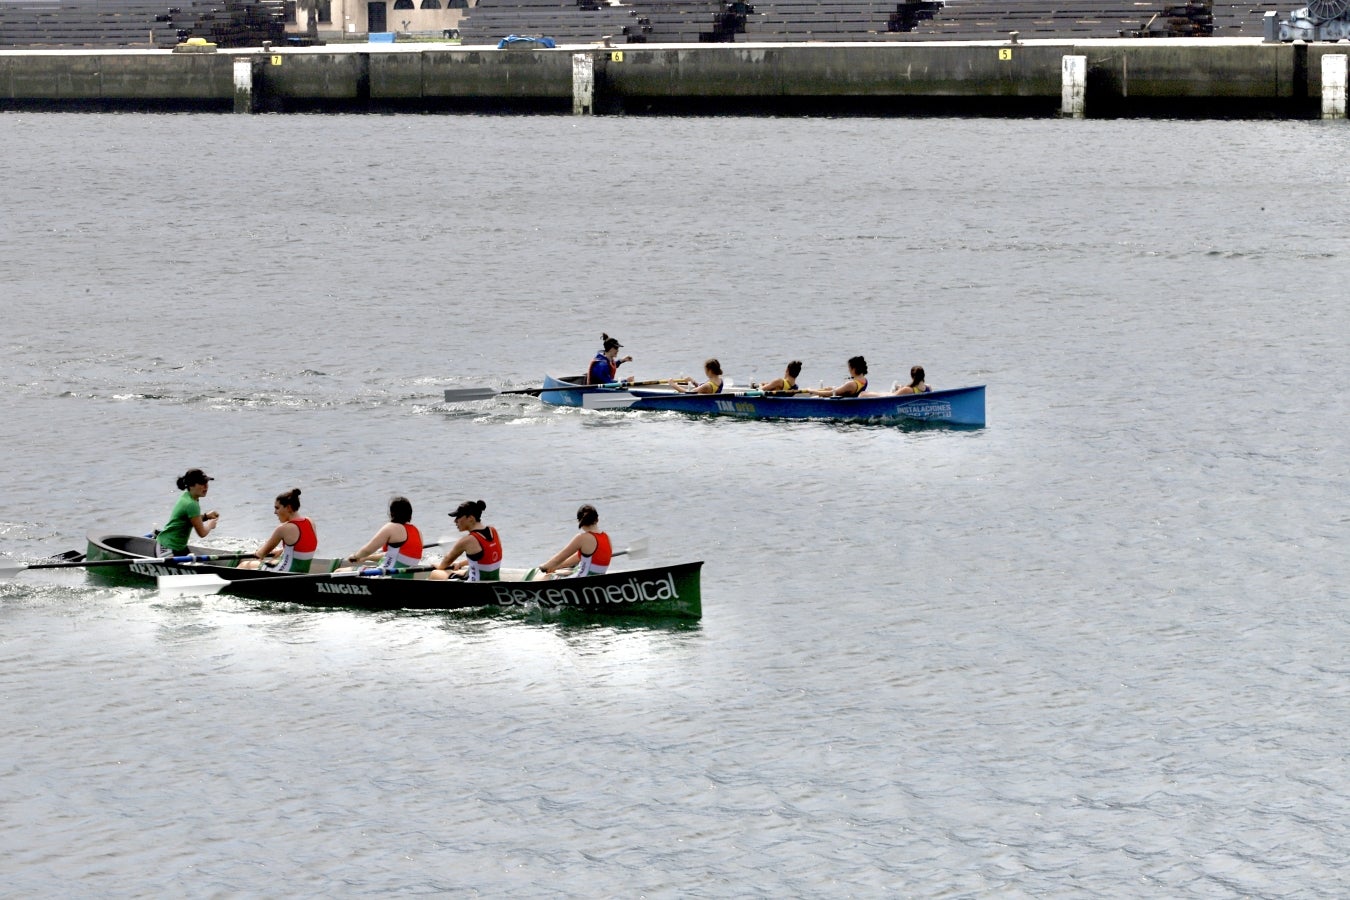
x=1094, y=649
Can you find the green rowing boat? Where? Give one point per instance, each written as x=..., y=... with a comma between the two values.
x=663, y=591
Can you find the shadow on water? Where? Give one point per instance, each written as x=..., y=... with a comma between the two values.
x=573, y=621
x=495, y=412
x=569, y=620
x=609, y=418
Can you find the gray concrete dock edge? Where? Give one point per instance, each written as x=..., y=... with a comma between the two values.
x=882, y=78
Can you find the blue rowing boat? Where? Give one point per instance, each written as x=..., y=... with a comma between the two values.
x=958, y=406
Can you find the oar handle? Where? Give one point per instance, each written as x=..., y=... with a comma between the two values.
x=377, y=571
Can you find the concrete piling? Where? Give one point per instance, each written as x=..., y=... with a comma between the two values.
x=243, y=85
x=1073, y=87
x=583, y=84
x=1335, y=74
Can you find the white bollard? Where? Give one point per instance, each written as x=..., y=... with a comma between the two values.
x=583, y=84
x=1334, y=83
x=1073, y=87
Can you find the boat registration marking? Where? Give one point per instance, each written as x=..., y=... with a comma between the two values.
x=154, y=570
x=343, y=588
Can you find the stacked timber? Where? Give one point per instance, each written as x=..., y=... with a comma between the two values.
x=701, y=21
x=834, y=20
x=982, y=20
x=565, y=21
x=1245, y=19
x=139, y=23
x=693, y=21
x=1194, y=18
x=586, y=21
x=236, y=23
x=991, y=19
x=908, y=15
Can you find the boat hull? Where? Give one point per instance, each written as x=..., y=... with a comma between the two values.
x=959, y=406
x=661, y=592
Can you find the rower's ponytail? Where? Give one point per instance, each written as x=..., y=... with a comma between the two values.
x=470, y=508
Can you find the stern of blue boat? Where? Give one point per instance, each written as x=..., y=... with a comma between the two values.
x=563, y=391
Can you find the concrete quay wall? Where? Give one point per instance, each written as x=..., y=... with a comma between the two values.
x=1155, y=77
x=57, y=78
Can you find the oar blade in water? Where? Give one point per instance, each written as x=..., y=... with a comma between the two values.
x=465, y=395
x=189, y=584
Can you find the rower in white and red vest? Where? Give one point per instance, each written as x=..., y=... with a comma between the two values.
x=295, y=536
x=399, y=540
x=481, y=546
x=589, y=551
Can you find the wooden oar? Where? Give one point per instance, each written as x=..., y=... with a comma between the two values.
x=465, y=395
x=212, y=584
x=11, y=571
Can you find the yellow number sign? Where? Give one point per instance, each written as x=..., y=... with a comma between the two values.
x=1005, y=53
